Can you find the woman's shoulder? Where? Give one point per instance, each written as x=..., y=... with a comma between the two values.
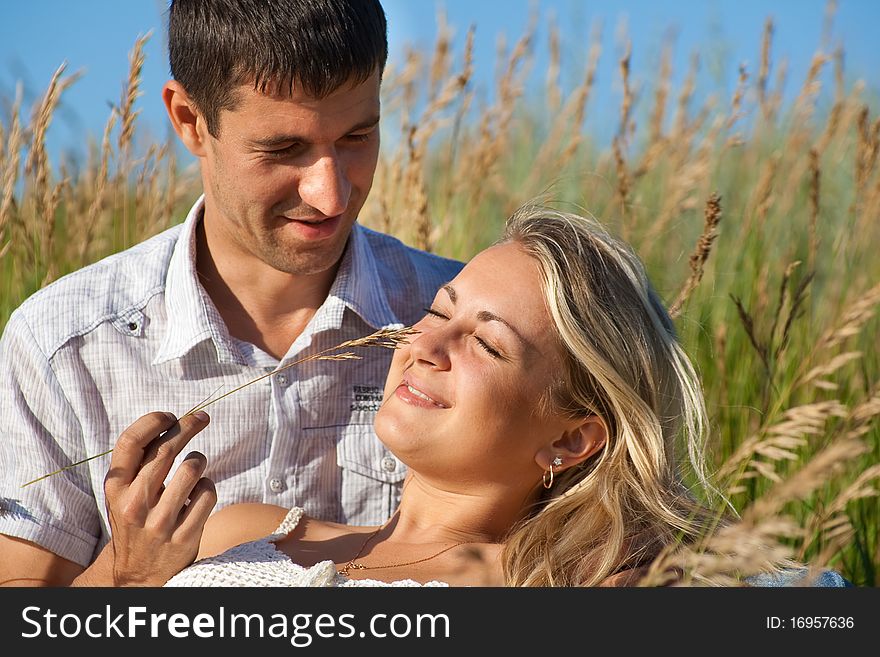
x=239, y=523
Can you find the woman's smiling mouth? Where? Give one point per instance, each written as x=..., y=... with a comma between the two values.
x=411, y=395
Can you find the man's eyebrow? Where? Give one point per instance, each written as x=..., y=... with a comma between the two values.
x=485, y=315
x=278, y=140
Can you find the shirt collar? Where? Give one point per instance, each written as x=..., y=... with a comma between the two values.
x=192, y=317
x=359, y=286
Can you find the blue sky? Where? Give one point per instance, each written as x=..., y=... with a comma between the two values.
x=95, y=37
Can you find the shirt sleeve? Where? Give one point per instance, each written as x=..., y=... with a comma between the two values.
x=40, y=433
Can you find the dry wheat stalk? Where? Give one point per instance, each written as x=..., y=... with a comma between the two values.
x=510, y=88
x=580, y=97
x=831, y=525
x=418, y=137
x=806, y=100
x=170, y=193
x=417, y=194
x=51, y=206
x=828, y=22
x=764, y=70
x=626, y=104
x=428, y=123
x=788, y=307
x=720, y=358
x=851, y=106
x=568, y=125
x=835, y=116
x=815, y=182
x=761, y=199
x=623, y=186
x=726, y=555
x=817, y=375
x=852, y=320
x=37, y=165
x=680, y=120
x=799, y=135
x=661, y=94
x=388, y=338
x=749, y=326
x=442, y=57
x=143, y=188
x=400, y=87
x=778, y=440
x=775, y=101
x=481, y=163
x=657, y=141
x=130, y=93
x=752, y=545
x=711, y=218
x=554, y=93
x=127, y=117
x=866, y=201
x=680, y=194
x=863, y=147
x=10, y=171
x=100, y=187
x=817, y=471
x=738, y=95
x=868, y=409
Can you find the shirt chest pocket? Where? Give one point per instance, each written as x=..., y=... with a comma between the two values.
x=371, y=476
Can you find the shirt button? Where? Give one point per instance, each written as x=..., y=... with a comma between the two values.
x=389, y=464
x=281, y=379
x=276, y=485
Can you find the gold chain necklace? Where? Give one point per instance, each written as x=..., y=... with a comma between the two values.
x=355, y=565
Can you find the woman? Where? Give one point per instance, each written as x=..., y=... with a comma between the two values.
x=539, y=411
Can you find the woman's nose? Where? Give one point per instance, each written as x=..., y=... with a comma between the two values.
x=431, y=345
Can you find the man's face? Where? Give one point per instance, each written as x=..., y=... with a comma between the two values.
x=287, y=176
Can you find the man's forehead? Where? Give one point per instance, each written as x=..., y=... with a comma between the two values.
x=293, y=88
x=264, y=116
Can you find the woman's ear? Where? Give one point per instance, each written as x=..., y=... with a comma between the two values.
x=576, y=444
x=185, y=119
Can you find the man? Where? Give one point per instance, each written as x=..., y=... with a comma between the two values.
x=280, y=104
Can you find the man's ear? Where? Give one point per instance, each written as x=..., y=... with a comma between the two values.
x=587, y=437
x=185, y=119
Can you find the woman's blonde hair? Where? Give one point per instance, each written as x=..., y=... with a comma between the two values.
x=622, y=363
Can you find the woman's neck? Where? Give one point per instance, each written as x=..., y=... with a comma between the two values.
x=430, y=515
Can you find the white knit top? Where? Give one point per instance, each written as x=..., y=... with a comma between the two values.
x=261, y=563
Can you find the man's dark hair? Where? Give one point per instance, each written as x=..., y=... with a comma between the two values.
x=317, y=45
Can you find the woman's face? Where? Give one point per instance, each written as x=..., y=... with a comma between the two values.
x=462, y=401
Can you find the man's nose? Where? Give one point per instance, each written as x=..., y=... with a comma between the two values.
x=324, y=185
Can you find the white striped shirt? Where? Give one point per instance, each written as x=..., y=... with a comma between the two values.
x=83, y=358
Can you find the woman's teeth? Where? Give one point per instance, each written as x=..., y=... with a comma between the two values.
x=421, y=395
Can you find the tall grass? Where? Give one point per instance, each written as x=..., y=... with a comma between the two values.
x=758, y=222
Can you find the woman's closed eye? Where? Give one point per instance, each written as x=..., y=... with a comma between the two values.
x=435, y=313
x=492, y=352
x=432, y=312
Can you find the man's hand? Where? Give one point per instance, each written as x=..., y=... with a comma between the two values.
x=155, y=530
